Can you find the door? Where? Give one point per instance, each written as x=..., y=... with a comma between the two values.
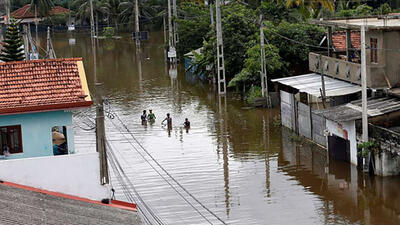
x=339, y=148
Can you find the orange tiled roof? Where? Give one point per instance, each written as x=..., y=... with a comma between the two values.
x=339, y=40
x=25, y=12
x=40, y=85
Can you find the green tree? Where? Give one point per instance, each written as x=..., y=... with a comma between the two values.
x=12, y=50
x=250, y=74
x=294, y=41
x=193, y=27
x=311, y=7
x=42, y=7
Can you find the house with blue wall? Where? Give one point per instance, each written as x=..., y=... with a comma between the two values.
x=36, y=102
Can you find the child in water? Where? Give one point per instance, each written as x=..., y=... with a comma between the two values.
x=151, y=117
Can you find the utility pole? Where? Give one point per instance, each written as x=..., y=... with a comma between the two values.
x=137, y=30
x=263, y=73
x=323, y=92
x=175, y=13
x=364, y=86
x=211, y=14
x=100, y=127
x=171, y=42
x=8, y=14
x=220, y=51
x=50, y=53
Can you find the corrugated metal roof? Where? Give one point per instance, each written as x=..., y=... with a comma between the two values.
x=353, y=110
x=311, y=84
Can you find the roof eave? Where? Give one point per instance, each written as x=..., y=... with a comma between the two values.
x=45, y=108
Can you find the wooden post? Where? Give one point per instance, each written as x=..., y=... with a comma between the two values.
x=348, y=44
x=100, y=127
x=220, y=51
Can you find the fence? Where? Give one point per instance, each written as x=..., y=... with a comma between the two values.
x=300, y=117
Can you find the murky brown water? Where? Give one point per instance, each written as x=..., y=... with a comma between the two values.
x=233, y=159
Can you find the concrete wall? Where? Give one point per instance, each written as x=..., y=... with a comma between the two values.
x=339, y=129
x=36, y=131
x=77, y=174
x=392, y=57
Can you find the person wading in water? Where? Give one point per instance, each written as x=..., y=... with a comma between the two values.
x=151, y=117
x=143, y=117
x=169, y=121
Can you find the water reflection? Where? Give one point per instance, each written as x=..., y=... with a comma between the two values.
x=233, y=158
x=349, y=196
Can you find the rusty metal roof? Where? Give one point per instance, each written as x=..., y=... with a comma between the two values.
x=353, y=110
x=311, y=84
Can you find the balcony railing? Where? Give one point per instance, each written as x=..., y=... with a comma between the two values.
x=335, y=67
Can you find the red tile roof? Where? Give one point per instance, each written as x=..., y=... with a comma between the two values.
x=42, y=85
x=339, y=40
x=25, y=12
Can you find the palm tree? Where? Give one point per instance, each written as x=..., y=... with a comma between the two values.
x=147, y=10
x=83, y=10
x=306, y=7
x=112, y=7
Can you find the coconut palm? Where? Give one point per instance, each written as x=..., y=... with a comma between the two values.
x=147, y=9
x=83, y=10
x=308, y=7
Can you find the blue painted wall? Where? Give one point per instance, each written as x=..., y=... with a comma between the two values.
x=36, y=131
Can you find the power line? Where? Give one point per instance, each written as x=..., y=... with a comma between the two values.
x=163, y=169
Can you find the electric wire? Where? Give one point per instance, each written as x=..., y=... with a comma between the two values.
x=117, y=168
x=169, y=183
x=161, y=167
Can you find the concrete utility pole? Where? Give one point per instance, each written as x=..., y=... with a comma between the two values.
x=323, y=94
x=171, y=42
x=211, y=14
x=175, y=12
x=137, y=30
x=100, y=127
x=26, y=41
x=220, y=51
x=364, y=86
x=8, y=14
x=263, y=73
x=50, y=53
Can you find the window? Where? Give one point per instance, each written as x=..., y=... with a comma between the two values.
x=374, y=50
x=11, y=138
x=59, y=136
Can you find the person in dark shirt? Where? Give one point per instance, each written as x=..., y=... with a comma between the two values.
x=143, y=117
x=186, y=124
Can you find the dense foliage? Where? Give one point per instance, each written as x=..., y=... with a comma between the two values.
x=13, y=45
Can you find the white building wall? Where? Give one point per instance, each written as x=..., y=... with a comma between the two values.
x=76, y=174
x=339, y=129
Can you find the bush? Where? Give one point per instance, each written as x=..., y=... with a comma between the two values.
x=254, y=92
x=108, y=32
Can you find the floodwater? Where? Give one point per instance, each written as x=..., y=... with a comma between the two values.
x=233, y=159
